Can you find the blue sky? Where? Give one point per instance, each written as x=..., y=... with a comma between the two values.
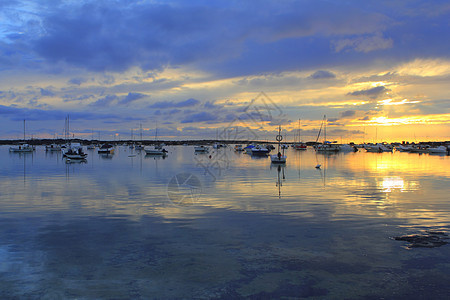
x=196, y=68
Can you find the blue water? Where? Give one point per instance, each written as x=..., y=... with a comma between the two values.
x=222, y=226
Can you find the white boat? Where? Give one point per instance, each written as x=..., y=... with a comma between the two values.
x=347, y=148
x=440, y=149
x=259, y=150
x=279, y=158
x=156, y=150
x=403, y=148
x=53, y=147
x=75, y=151
x=90, y=147
x=218, y=145
x=106, y=149
x=379, y=147
x=22, y=148
x=325, y=146
x=201, y=149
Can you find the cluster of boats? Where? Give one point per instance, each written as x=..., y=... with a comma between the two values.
x=74, y=151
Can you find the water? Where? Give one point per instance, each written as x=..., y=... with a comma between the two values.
x=225, y=226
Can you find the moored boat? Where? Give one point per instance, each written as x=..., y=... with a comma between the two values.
x=106, y=149
x=201, y=149
x=259, y=150
x=279, y=158
x=53, y=147
x=155, y=150
x=22, y=148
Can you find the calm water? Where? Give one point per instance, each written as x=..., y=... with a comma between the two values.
x=225, y=226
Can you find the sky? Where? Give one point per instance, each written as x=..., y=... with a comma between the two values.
x=367, y=71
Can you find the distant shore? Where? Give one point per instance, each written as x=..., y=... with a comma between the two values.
x=178, y=142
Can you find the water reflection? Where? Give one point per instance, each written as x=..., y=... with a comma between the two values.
x=231, y=227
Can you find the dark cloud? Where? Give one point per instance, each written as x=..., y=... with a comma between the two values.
x=105, y=101
x=17, y=114
x=348, y=113
x=170, y=104
x=321, y=74
x=77, y=81
x=188, y=102
x=200, y=117
x=210, y=105
x=47, y=93
x=372, y=93
x=131, y=97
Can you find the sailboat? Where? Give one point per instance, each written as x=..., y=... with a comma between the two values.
x=23, y=147
x=139, y=146
x=279, y=158
x=156, y=150
x=72, y=151
x=326, y=146
x=299, y=145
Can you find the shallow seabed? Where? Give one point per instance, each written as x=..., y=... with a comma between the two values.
x=222, y=226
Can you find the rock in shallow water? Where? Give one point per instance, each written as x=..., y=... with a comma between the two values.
x=429, y=239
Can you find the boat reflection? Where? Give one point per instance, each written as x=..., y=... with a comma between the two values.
x=280, y=176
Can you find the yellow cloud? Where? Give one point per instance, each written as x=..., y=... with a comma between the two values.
x=425, y=68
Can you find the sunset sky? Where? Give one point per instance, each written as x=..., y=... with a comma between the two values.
x=379, y=70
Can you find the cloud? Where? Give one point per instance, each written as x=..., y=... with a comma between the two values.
x=77, y=81
x=372, y=93
x=46, y=93
x=105, y=101
x=188, y=102
x=321, y=74
x=17, y=114
x=347, y=113
x=171, y=104
x=131, y=97
x=200, y=117
x=364, y=44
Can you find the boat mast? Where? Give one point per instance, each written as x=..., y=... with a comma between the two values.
x=299, y=133
x=24, y=130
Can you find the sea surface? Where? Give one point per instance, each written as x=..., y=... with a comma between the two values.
x=223, y=225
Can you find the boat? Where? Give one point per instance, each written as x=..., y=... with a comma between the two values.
x=379, y=147
x=238, y=148
x=90, y=147
x=155, y=150
x=347, y=148
x=325, y=146
x=201, y=149
x=403, y=148
x=248, y=148
x=279, y=158
x=218, y=145
x=259, y=150
x=299, y=145
x=75, y=152
x=106, y=149
x=23, y=147
x=53, y=147
x=439, y=149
